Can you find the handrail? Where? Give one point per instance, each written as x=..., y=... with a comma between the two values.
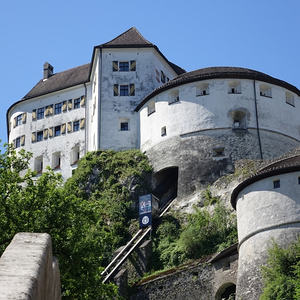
x=127, y=254
x=163, y=211
x=121, y=252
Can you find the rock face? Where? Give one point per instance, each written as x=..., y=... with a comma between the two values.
x=28, y=270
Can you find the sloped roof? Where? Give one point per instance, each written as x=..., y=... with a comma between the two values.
x=218, y=72
x=132, y=38
x=282, y=166
x=60, y=81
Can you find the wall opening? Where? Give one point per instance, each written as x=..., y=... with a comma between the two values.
x=165, y=183
x=226, y=292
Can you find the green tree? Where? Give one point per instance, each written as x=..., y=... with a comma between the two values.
x=281, y=275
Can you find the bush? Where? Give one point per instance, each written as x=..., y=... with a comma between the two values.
x=281, y=275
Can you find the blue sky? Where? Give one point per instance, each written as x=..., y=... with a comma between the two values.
x=259, y=34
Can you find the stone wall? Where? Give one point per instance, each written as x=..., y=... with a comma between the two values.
x=199, y=165
x=28, y=270
x=199, y=281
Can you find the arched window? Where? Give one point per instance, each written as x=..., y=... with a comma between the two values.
x=226, y=292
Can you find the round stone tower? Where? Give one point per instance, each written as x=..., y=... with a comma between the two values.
x=202, y=121
x=268, y=208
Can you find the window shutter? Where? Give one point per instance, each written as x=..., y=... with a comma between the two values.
x=15, y=122
x=64, y=106
x=34, y=115
x=51, y=109
x=82, y=101
x=22, y=140
x=69, y=127
x=132, y=65
x=82, y=123
x=63, y=128
x=45, y=134
x=115, y=66
x=116, y=90
x=70, y=104
x=33, y=137
x=50, y=132
x=14, y=143
x=24, y=117
x=132, y=90
x=47, y=111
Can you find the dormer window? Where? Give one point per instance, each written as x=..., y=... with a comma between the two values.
x=174, y=97
x=162, y=77
x=265, y=91
x=202, y=90
x=234, y=87
x=289, y=98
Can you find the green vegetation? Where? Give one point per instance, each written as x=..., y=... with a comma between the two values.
x=93, y=213
x=201, y=234
x=281, y=275
x=87, y=217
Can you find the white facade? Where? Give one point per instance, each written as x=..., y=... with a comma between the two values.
x=267, y=209
x=218, y=108
x=117, y=79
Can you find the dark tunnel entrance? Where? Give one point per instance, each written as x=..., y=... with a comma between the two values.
x=165, y=184
x=226, y=292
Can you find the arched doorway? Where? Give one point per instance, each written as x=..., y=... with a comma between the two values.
x=226, y=292
x=165, y=184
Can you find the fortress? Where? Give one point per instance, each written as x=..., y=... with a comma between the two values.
x=193, y=126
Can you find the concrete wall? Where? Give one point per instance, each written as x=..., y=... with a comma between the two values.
x=28, y=270
x=47, y=147
x=264, y=213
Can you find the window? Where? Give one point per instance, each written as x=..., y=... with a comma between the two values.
x=18, y=142
x=124, y=126
x=39, y=136
x=162, y=77
x=234, y=87
x=163, y=131
x=202, y=90
x=76, y=125
x=218, y=151
x=124, y=90
x=77, y=103
x=19, y=120
x=276, y=184
x=57, y=108
x=239, y=121
x=265, y=91
x=123, y=66
x=174, y=97
x=40, y=113
x=75, y=155
x=38, y=164
x=56, y=160
x=57, y=130
x=151, y=108
x=289, y=99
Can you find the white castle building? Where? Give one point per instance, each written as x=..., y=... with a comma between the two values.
x=132, y=96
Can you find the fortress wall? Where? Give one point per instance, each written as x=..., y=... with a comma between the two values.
x=196, y=281
x=217, y=109
x=28, y=270
x=265, y=213
x=198, y=164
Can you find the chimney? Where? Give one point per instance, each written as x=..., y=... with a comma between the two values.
x=48, y=70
